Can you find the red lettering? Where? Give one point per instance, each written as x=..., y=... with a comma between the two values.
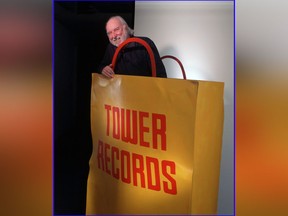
x=161, y=131
x=144, y=171
x=100, y=155
x=116, y=122
x=125, y=157
x=156, y=185
x=108, y=108
x=132, y=126
x=138, y=169
x=107, y=158
x=142, y=128
x=126, y=126
x=115, y=153
x=173, y=188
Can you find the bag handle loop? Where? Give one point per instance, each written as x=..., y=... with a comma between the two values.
x=178, y=61
x=142, y=42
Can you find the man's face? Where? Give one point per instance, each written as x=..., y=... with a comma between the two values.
x=116, y=32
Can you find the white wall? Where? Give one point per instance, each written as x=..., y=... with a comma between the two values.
x=201, y=35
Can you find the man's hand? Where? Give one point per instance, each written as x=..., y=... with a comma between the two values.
x=108, y=71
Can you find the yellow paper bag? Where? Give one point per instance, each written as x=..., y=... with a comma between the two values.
x=156, y=145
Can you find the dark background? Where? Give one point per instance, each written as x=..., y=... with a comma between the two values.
x=79, y=43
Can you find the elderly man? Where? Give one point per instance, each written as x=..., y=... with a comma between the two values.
x=134, y=60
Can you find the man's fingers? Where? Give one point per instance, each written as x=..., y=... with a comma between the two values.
x=108, y=72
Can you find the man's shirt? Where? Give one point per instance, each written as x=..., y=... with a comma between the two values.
x=133, y=59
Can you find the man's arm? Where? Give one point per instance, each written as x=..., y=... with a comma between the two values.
x=105, y=64
x=160, y=68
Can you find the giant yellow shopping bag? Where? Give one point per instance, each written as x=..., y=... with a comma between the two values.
x=156, y=144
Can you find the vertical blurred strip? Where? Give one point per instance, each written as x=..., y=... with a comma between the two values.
x=261, y=108
x=25, y=108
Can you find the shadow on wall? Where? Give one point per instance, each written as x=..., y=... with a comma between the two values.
x=173, y=69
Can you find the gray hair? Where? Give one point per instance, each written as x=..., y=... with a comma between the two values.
x=130, y=31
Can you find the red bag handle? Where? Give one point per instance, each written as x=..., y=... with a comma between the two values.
x=142, y=42
x=178, y=61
